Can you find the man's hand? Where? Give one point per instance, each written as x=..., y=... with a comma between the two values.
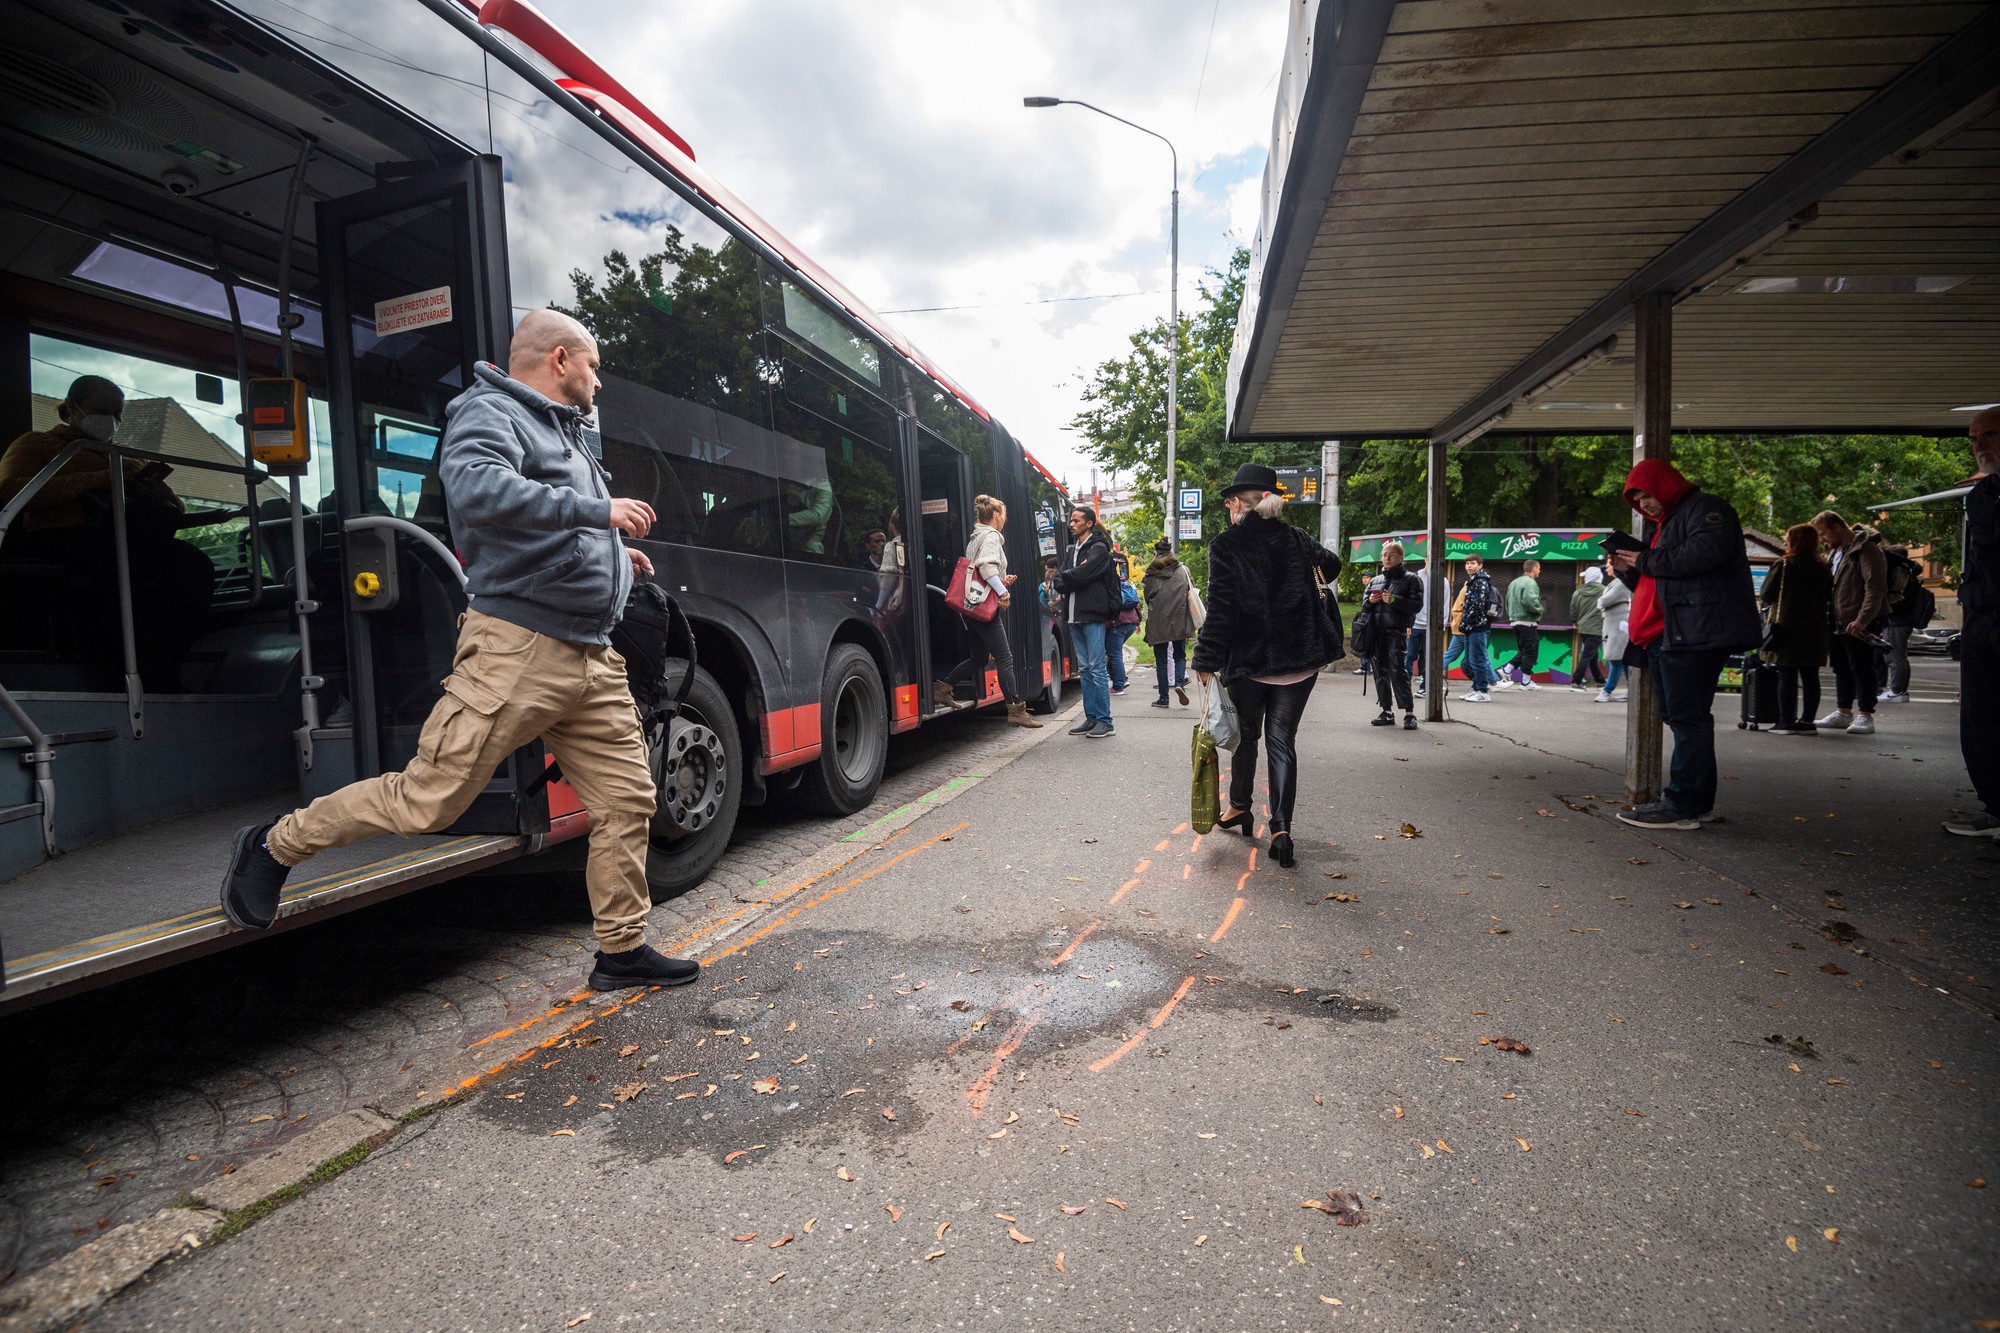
x=634, y=518
x=1856, y=629
x=1623, y=560
x=641, y=565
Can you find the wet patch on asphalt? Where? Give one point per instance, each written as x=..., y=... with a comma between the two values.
x=826, y=1037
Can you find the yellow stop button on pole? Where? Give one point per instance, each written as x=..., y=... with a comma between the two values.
x=367, y=583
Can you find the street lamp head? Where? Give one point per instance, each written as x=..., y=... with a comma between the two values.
x=1041, y=101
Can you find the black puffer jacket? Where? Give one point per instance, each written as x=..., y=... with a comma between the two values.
x=1090, y=580
x=1265, y=616
x=1700, y=571
x=1405, y=591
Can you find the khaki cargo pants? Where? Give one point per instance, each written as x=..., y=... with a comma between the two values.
x=507, y=686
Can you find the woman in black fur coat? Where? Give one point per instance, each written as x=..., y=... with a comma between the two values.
x=1267, y=635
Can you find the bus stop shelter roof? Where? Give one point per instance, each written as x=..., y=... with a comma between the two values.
x=1465, y=198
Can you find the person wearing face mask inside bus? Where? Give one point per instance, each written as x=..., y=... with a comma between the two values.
x=68, y=522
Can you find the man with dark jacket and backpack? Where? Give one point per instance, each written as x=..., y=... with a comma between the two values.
x=1692, y=606
x=548, y=573
x=1979, y=644
x=1892, y=655
x=1088, y=581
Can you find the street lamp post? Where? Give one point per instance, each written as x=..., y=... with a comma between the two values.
x=1173, y=309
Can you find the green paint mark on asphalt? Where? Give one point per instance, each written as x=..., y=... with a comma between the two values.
x=869, y=830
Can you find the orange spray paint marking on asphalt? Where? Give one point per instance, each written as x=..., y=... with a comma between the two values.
x=1187, y=871
x=1228, y=920
x=1162, y=844
x=606, y=1010
x=1082, y=935
x=980, y=1090
x=1131, y=1042
x=1180, y=828
x=677, y=947
x=1004, y=1006
x=1124, y=889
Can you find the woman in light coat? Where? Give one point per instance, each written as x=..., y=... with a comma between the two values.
x=1616, y=608
x=1169, y=620
x=986, y=559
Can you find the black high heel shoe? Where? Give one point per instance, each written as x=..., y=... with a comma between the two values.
x=1240, y=820
x=1281, y=849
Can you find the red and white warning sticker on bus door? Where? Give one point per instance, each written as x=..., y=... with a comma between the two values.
x=415, y=311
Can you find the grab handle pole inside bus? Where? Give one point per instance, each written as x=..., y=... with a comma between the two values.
x=302, y=603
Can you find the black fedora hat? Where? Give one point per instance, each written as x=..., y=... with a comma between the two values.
x=1252, y=477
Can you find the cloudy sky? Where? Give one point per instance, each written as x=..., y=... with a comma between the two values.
x=887, y=138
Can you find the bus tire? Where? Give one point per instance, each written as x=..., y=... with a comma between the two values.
x=698, y=767
x=853, y=735
x=1050, y=699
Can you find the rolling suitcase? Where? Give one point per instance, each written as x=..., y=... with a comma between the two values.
x=1760, y=694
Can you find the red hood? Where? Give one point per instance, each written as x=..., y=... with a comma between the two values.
x=1658, y=478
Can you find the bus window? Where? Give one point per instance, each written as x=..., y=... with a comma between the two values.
x=962, y=429
x=191, y=416
x=836, y=512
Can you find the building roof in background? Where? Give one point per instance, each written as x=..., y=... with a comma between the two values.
x=1465, y=197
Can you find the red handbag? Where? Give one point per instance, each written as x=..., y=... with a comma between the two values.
x=954, y=595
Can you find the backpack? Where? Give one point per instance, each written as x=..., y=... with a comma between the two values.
x=1910, y=602
x=644, y=638
x=1128, y=596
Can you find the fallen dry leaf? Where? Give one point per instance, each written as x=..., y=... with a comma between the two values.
x=888, y=1113
x=1115, y=1203
x=843, y=1173
x=1201, y=1240
x=515, y=1096
x=997, y=1134
x=745, y=1238
x=853, y=1092
x=678, y=1077
x=962, y=1006
x=802, y=1059
x=1316, y=1205
x=1513, y=1044
x=775, y=1276
x=627, y=1052
x=1428, y=1151
x=765, y=1086
x=792, y=1026
x=934, y=1254
x=1014, y=1234
x=562, y=1133
x=1445, y=1147
x=1833, y=969
x=625, y=1092
x=1408, y=831
x=1204, y=1136
x=1685, y=907
x=1792, y=1244
x=1832, y=1235
x=1012, y=1116
x=259, y=1119
x=1006, y=1217
x=1329, y=1300
x=1341, y=898
x=1299, y=1253
x=730, y=1157
x=709, y=1091
x=811, y=1222
x=571, y=1101
x=1713, y=902
x=1546, y=814
x=578, y=1320
x=1524, y=1144
x=942, y=1227
x=895, y=1213
x=1060, y=1268
x=1976, y=1183
x=1072, y=1209
x=786, y=1239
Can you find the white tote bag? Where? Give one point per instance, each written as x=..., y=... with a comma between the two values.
x=1218, y=715
x=1196, y=607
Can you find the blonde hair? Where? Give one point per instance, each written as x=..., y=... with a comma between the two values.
x=984, y=507
x=1387, y=547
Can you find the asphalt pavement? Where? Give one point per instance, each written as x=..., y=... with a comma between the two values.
x=1041, y=1058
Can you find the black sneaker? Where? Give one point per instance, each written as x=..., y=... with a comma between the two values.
x=1386, y=719
x=1659, y=814
x=643, y=966
x=1082, y=728
x=1409, y=722
x=1101, y=730
x=254, y=880
x=1161, y=702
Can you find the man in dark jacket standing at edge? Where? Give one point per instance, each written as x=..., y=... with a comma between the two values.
x=1393, y=599
x=1979, y=656
x=1089, y=585
x=1692, y=606
x=548, y=574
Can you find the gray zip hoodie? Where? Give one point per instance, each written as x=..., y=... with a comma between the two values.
x=531, y=509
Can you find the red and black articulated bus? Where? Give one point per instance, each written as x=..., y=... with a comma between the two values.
x=287, y=229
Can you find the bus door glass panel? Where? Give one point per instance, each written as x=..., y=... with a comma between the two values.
x=946, y=527
x=408, y=276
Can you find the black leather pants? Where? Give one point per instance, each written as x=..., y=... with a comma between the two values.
x=1272, y=711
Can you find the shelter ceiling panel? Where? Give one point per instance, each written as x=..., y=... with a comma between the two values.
x=1428, y=29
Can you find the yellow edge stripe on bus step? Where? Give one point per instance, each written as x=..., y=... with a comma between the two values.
x=132, y=936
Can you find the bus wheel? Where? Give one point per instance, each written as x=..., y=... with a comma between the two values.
x=698, y=769
x=854, y=735
x=1050, y=699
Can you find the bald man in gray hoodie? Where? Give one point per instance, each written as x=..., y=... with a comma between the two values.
x=548, y=572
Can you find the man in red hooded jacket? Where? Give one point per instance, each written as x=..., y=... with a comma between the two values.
x=1692, y=606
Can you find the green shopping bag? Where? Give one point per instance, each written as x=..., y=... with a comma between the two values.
x=1204, y=806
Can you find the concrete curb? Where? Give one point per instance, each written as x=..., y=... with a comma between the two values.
x=84, y=1279
x=75, y=1286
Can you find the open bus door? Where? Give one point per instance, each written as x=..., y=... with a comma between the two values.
x=415, y=274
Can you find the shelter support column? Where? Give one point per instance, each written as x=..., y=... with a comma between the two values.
x=1652, y=437
x=1437, y=587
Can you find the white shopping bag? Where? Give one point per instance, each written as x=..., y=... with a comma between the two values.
x=1218, y=714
